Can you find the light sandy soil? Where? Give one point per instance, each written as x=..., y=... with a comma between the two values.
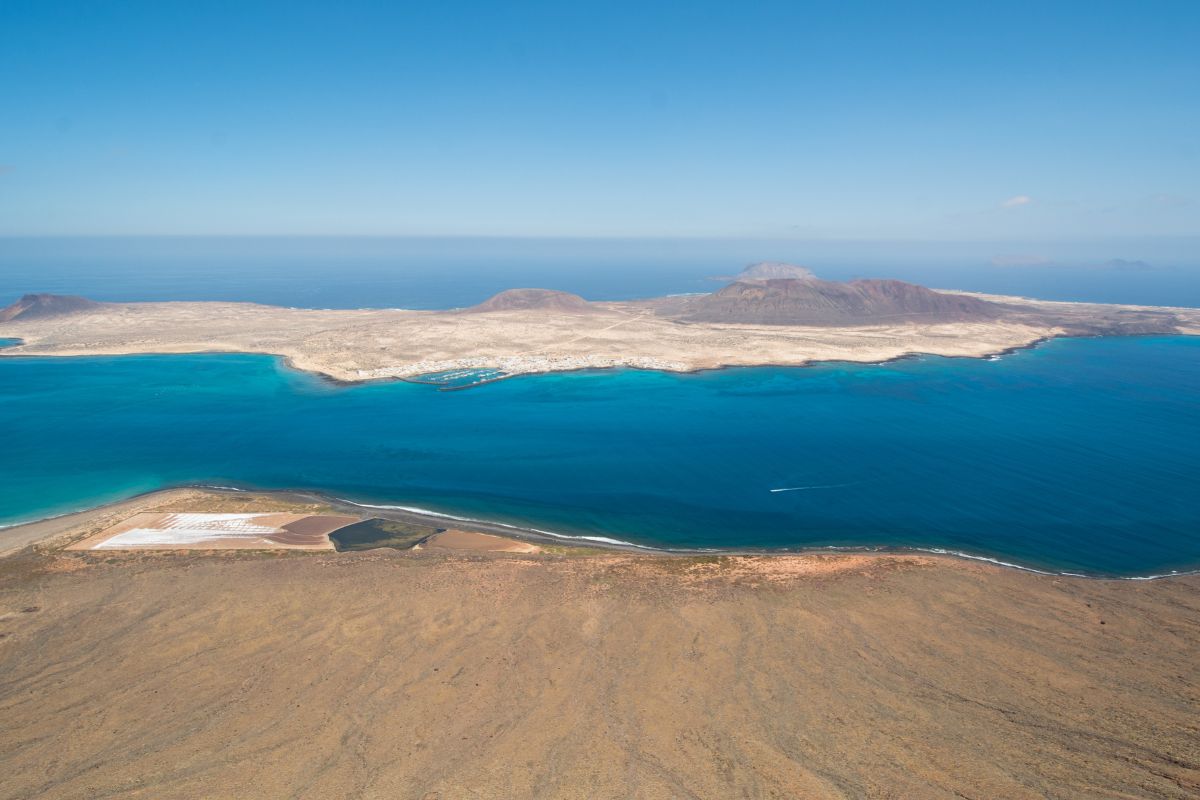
x=372, y=344
x=64, y=528
x=470, y=541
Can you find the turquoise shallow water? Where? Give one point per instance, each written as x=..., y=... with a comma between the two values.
x=1078, y=455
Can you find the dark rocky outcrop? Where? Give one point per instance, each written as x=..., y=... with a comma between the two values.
x=39, y=306
x=809, y=301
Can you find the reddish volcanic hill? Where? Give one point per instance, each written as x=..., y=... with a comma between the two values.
x=535, y=299
x=817, y=302
x=37, y=306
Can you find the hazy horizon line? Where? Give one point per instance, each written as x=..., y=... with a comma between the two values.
x=617, y=237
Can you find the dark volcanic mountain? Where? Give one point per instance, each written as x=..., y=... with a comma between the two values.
x=810, y=301
x=529, y=299
x=38, y=306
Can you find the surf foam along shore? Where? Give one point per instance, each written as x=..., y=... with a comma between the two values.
x=605, y=541
x=516, y=529
x=432, y=516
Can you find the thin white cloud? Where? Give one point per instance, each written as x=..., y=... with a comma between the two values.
x=1019, y=200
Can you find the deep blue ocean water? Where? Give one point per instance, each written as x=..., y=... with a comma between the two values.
x=449, y=273
x=1078, y=455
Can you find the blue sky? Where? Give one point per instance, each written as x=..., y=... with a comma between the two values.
x=954, y=122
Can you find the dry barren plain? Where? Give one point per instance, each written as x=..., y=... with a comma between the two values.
x=455, y=672
x=359, y=345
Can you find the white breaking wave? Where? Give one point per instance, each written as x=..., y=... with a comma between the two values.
x=517, y=528
x=959, y=554
x=1172, y=574
x=735, y=551
x=1023, y=568
x=39, y=519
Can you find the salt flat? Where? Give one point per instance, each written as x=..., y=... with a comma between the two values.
x=217, y=531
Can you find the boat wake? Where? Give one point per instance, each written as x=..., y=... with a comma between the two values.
x=806, y=488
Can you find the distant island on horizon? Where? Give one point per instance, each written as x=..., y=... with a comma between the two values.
x=769, y=314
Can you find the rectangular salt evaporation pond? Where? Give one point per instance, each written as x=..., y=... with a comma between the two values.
x=209, y=531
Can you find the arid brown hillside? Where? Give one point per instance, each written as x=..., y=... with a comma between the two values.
x=423, y=674
x=35, y=306
x=816, y=302
x=534, y=299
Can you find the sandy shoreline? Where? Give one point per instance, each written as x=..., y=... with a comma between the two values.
x=47, y=531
